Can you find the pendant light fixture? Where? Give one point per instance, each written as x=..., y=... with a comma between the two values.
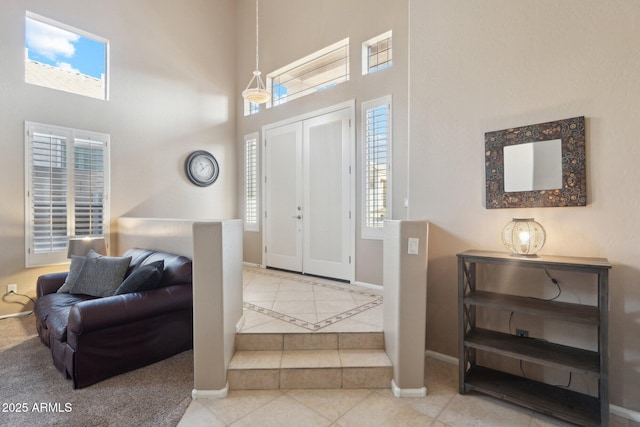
x=258, y=94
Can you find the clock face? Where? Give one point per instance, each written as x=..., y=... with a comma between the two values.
x=202, y=168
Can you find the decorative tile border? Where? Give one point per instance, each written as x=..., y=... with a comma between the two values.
x=377, y=300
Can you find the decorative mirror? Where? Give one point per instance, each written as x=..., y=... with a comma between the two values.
x=542, y=165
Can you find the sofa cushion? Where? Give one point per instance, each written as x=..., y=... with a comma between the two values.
x=144, y=278
x=74, y=272
x=137, y=258
x=57, y=322
x=57, y=305
x=177, y=268
x=100, y=275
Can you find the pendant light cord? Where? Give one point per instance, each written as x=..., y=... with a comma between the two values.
x=257, y=39
x=259, y=94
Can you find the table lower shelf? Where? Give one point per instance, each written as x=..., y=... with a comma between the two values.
x=555, y=401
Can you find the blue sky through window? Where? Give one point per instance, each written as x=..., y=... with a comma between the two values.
x=64, y=49
x=279, y=91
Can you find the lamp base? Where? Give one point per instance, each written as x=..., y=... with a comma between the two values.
x=524, y=255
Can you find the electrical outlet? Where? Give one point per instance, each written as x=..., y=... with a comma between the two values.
x=522, y=333
x=12, y=288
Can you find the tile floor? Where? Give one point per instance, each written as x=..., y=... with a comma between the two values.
x=278, y=301
x=281, y=302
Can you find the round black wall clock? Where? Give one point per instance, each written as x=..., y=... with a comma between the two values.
x=202, y=168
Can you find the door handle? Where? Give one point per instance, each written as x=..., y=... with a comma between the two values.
x=297, y=216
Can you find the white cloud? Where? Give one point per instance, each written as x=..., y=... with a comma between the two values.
x=67, y=67
x=49, y=41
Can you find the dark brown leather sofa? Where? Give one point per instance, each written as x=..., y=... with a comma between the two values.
x=94, y=338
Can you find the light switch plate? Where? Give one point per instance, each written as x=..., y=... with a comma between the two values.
x=414, y=245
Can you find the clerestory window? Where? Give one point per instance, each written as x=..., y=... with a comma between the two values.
x=61, y=57
x=377, y=53
x=316, y=72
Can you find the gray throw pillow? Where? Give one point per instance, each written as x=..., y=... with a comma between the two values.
x=74, y=272
x=100, y=275
x=146, y=277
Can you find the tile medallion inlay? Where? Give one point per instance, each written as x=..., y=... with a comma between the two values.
x=366, y=300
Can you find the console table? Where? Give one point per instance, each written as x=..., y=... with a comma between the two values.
x=556, y=401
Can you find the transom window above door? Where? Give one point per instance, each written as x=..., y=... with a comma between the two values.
x=319, y=71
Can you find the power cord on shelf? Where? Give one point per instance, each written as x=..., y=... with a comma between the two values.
x=555, y=282
x=555, y=385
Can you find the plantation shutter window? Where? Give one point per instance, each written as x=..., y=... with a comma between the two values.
x=251, y=182
x=66, y=190
x=49, y=193
x=376, y=179
x=88, y=173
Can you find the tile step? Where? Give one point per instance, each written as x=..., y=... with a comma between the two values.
x=309, y=369
x=309, y=341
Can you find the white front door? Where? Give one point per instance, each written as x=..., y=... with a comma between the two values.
x=327, y=195
x=283, y=204
x=309, y=191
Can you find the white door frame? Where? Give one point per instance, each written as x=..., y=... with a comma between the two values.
x=351, y=105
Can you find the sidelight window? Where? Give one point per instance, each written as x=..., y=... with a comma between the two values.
x=376, y=170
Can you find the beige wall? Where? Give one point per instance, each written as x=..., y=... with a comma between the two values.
x=290, y=30
x=172, y=92
x=487, y=65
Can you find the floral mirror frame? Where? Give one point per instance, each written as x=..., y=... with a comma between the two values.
x=571, y=132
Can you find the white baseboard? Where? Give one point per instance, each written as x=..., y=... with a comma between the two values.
x=20, y=314
x=210, y=394
x=252, y=264
x=240, y=323
x=407, y=392
x=625, y=413
x=368, y=285
x=441, y=357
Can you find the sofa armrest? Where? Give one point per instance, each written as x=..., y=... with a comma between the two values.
x=118, y=310
x=50, y=283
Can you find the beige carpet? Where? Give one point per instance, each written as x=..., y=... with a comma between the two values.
x=156, y=395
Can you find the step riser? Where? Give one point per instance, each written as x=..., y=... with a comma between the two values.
x=315, y=341
x=270, y=361
x=310, y=378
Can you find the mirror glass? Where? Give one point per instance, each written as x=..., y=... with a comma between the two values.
x=541, y=165
x=533, y=166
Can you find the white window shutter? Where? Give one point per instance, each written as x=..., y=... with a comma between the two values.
x=251, y=182
x=88, y=185
x=66, y=176
x=376, y=170
x=48, y=193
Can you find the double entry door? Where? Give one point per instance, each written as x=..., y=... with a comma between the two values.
x=309, y=195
